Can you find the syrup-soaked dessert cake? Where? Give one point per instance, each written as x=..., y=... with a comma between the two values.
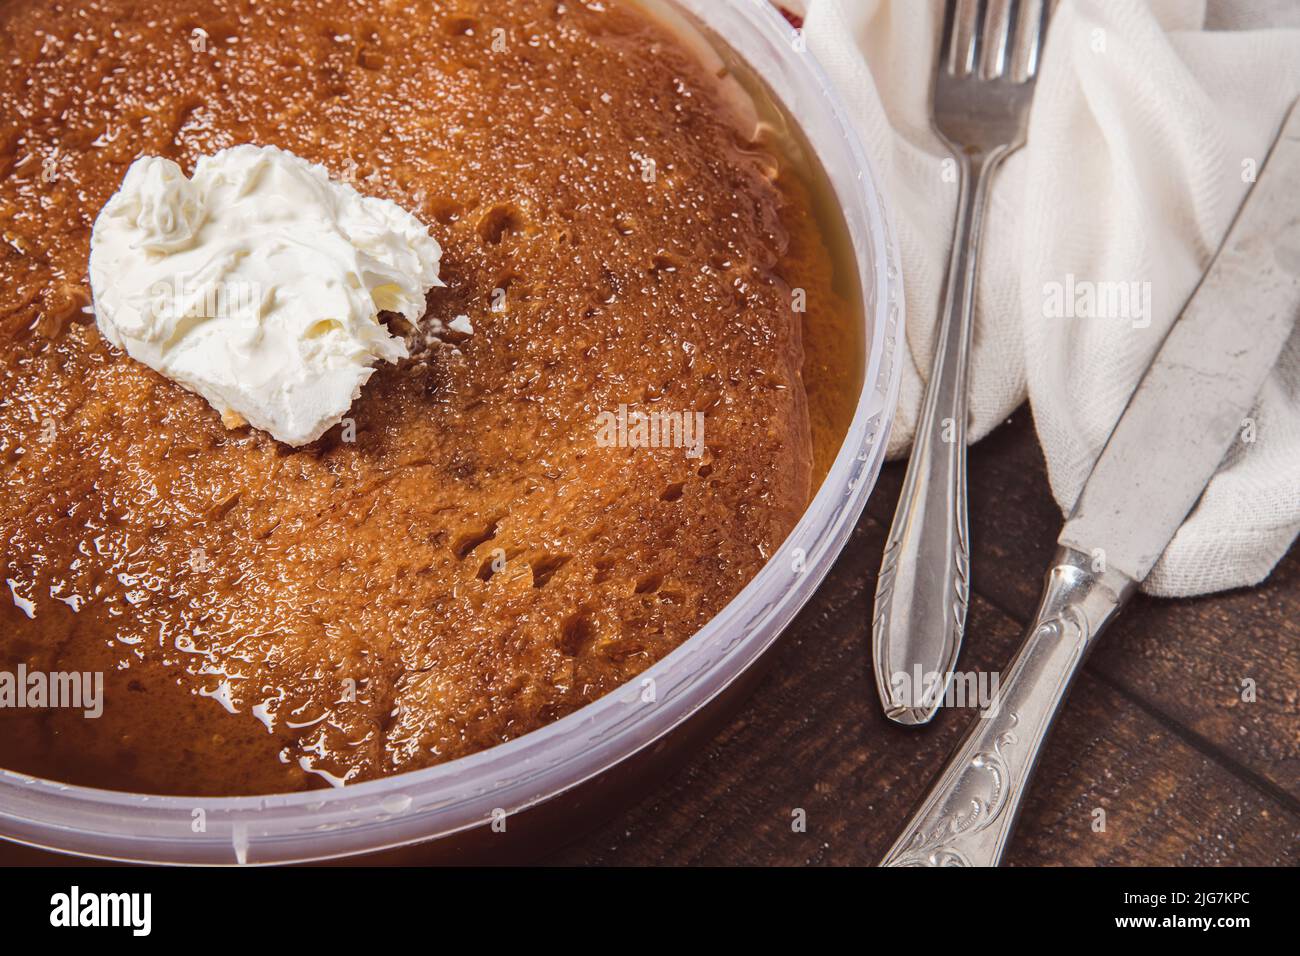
x=470, y=555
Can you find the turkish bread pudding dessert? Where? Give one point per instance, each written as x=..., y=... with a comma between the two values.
x=554, y=218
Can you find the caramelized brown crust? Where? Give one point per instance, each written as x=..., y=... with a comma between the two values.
x=343, y=600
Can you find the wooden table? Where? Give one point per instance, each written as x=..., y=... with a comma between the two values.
x=1155, y=731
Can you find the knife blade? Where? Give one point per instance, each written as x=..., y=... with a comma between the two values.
x=1179, y=423
x=1191, y=403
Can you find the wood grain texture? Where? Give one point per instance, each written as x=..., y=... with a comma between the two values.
x=1185, y=659
x=1154, y=732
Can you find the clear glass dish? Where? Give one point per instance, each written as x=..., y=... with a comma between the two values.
x=432, y=806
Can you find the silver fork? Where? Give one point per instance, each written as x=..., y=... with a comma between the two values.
x=984, y=80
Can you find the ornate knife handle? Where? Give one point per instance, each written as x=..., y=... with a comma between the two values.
x=968, y=815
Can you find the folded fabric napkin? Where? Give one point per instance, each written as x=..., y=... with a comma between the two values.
x=1147, y=126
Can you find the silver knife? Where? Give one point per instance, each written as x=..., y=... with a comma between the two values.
x=1179, y=423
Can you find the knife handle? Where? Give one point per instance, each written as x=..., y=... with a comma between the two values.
x=968, y=815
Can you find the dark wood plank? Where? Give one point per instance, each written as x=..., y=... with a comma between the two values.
x=1188, y=661
x=1185, y=659
x=812, y=737
x=1166, y=803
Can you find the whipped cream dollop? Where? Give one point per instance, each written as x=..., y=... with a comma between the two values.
x=257, y=283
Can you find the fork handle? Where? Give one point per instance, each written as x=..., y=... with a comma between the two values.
x=970, y=811
x=922, y=592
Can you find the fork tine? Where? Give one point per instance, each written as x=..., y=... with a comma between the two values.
x=944, y=62
x=961, y=53
x=993, y=43
x=1027, y=45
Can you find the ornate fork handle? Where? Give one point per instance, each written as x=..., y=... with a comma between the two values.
x=923, y=588
x=970, y=811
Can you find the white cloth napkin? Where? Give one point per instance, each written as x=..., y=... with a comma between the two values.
x=1146, y=123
